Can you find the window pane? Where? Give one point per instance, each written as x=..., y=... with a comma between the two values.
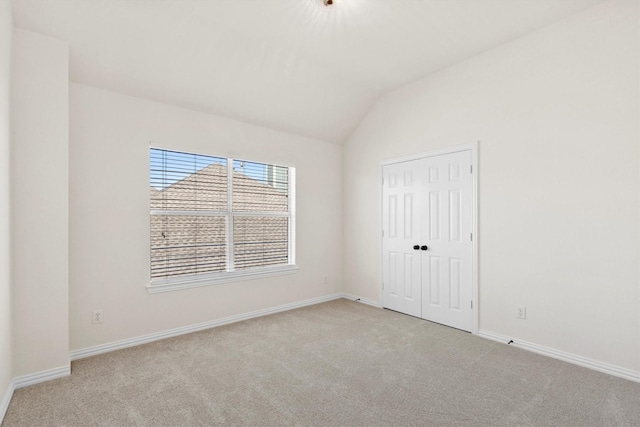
x=187, y=244
x=260, y=241
x=258, y=187
x=183, y=181
x=191, y=214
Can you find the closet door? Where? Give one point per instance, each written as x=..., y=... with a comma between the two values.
x=401, y=262
x=446, y=222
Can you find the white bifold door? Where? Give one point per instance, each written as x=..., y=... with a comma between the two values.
x=427, y=250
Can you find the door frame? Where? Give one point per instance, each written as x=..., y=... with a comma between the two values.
x=473, y=148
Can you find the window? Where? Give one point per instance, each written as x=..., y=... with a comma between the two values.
x=216, y=219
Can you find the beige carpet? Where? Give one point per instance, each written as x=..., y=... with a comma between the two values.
x=335, y=364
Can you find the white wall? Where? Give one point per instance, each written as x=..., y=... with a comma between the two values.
x=109, y=216
x=6, y=32
x=556, y=114
x=39, y=202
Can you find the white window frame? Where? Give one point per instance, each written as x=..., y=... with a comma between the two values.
x=208, y=279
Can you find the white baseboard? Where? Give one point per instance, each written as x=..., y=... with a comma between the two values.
x=362, y=300
x=42, y=376
x=31, y=379
x=6, y=400
x=564, y=356
x=144, y=339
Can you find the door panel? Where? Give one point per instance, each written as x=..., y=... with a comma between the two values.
x=447, y=278
x=434, y=280
x=401, y=266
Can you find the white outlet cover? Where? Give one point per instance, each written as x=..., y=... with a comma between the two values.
x=96, y=316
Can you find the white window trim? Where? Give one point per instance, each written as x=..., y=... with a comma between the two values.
x=199, y=280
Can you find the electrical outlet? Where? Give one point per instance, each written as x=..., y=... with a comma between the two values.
x=521, y=312
x=325, y=279
x=96, y=316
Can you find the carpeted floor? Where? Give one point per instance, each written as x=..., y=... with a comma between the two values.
x=335, y=364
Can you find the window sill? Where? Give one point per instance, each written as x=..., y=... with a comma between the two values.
x=175, y=284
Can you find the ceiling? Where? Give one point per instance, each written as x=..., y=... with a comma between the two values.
x=291, y=65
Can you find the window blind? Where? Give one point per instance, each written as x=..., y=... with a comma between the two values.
x=214, y=215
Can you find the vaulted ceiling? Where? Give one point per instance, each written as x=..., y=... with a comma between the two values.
x=291, y=65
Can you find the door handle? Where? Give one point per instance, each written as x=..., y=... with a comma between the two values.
x=423, y=247
x=416, y=247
